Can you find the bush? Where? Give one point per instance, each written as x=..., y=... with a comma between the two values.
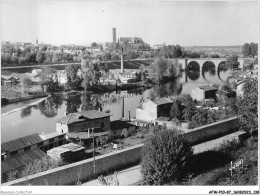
x=165, y=158
x=124, y=133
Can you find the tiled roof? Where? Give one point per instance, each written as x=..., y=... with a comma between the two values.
x=161, y=101
x=81, y=116
x=20, y=160
x=22, y=142
x=208, y=88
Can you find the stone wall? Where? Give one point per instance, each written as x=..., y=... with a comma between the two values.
x=67, y=175
x=212, y=131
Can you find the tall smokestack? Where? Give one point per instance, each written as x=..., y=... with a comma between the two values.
x=122, y=61
x=114, y=34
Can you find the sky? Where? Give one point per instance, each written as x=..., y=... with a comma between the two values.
x=187, y=23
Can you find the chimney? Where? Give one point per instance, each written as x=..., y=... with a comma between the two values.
x=129, y=117
x=122, y=62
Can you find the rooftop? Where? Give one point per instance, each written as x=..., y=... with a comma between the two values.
x=162, y=118
x=161, y=101
x=20, y=160
x=81, y=116
x=8, y=77
x=22, y=142
x=119, y=124
x=208, y=88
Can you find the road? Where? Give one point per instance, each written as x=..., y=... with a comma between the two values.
x=125, y=177
x=132, y=175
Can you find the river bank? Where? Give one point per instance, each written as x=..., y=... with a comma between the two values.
x=32, y=104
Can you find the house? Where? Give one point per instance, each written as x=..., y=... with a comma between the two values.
x=127, y=77
x=204, y=92
x=9, y=80
x=81, y=121
x=158, y=46
x=62, y=77
x=36, y=71
x=118, y=126
x=153, y=109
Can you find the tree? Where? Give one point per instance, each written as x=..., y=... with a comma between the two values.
x=163, y=67
x=253, y=49
x=6, y=58
x=176, y=109
x=124, y=133
x=232, y=62
x=26, y=84
x=38, y=166
x=14, y=60
x=73, y=80
x=40, y=56
x=248, y=106
x=49, y=79
x=166, y=158
x=56, y=57
x=94, y=45
x=246, y=50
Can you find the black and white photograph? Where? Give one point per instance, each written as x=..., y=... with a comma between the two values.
x=110, y=96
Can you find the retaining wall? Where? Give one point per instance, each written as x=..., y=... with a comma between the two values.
x=212, y=131
x=67, y=175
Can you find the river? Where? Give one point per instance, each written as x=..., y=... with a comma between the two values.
x=40, y=118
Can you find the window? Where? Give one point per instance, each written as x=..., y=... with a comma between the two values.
x=102, y=125
x=40, y=144
x=51, y=140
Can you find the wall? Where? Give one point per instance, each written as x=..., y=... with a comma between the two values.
x=88, y=124
x=148, y=113
x=67, y=175
x=197, y=94
x=212, y=131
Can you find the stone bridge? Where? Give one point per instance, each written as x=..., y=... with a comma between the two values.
x=204, y=63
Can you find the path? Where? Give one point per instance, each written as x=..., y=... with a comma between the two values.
x=132, y=175
x=126, y=177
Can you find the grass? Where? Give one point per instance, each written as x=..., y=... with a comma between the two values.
x=214, y=167
x=15, y=91
x=11, y=91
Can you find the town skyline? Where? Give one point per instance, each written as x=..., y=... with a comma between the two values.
x=47, y=22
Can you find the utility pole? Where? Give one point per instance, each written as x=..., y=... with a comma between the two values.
x=94, y=165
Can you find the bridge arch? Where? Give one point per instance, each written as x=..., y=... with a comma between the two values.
x=222, y=67
x=193, y=66
x=208, y=66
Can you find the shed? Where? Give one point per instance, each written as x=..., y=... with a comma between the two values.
x=204, y=92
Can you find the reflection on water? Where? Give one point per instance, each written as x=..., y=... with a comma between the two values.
x=40, y=118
